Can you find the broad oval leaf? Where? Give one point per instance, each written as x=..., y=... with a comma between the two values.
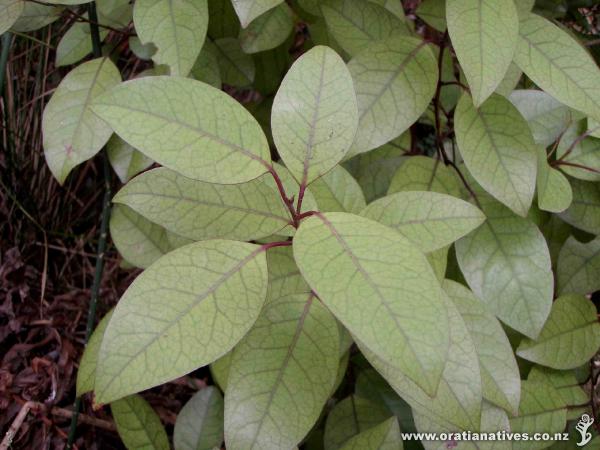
x=138, y=425
x=36, y=16
x=281, y=374
x=189, y=127
x=72, y=132
x=176, y=27
x=76, y=43
x=355, y=24
x=558, y=64
x=500, y=377
x=578, y=267
x=570, y=337
x=86, y=373
x=125, y=160
x=395, y=80
x=584, y=212
x=314, y=116
x=268, y=30
x=456, y=404
x=212, y=286
x=484, y=35
x=421, y=173
x=346, y=259
x=10, y=11
x=428, y=219
x=553, y=189
x=385, y=436
x=546, y=116
x=199, y=210
x=199, y=424
x=350, y=417
x=498, y=149
x=338, y=191
x=248, y=10
x=236, y=67
x=541, y=408
x=139, y=241
x=506, y=262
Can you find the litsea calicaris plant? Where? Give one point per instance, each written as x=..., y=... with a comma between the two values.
x=366, y=220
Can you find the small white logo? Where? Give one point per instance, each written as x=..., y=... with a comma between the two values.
x=582, y=426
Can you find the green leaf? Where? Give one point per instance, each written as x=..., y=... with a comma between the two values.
x=76, y=43
x=553, y=188
x=499, y=372
x=345, y=259
x=484, y=35
x=142, y=51
x=506, y=262
x=350, y=417
x=72, y=132
x=138, y=425
x=248, y=10
x=421, y=173
x=374, y=170
x=338, y=191
x=457, y=402
x=206, y=67
x=86, y=374
x=493, y=419
x=177, y=28
x=355, y=24
x=570, y=337
x=223, y=19
x=199, y=210
x=36, y=16
x=10, y=11
x=584, y=212
x=220, y=370
x=293, y=348
x=395, y=8
x=567, y=385
x=395, y=80
x=559, y=65
x=541, y=411
x=428, y=219
x=314, y=116
x=498, y=149
x=237, y=68
x=229, y=148
x=580, y=153
x=138, y=240
x=284, y=275
x=199, y=424
x=510, y=81
x=269, y=30
x=125, y=160
x=547, y=118
x=211, y=286
x=578, y=266
x=385, y=436
x=433, y=13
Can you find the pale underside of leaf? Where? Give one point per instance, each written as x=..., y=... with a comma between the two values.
x=380, y=287
x=498, y=149
x=314, y=116
x=558, y=64
x=176, y=27
x=72, y=133
x=395, y=80
x=484, y=35
x=199, y=210
x=281, y=374
x=199, y=424
x=10, y=10
x=506, y=262
x=248, y=10
x=216, y=290
x=428, y=219
x=578, y=267
x=188, y=126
